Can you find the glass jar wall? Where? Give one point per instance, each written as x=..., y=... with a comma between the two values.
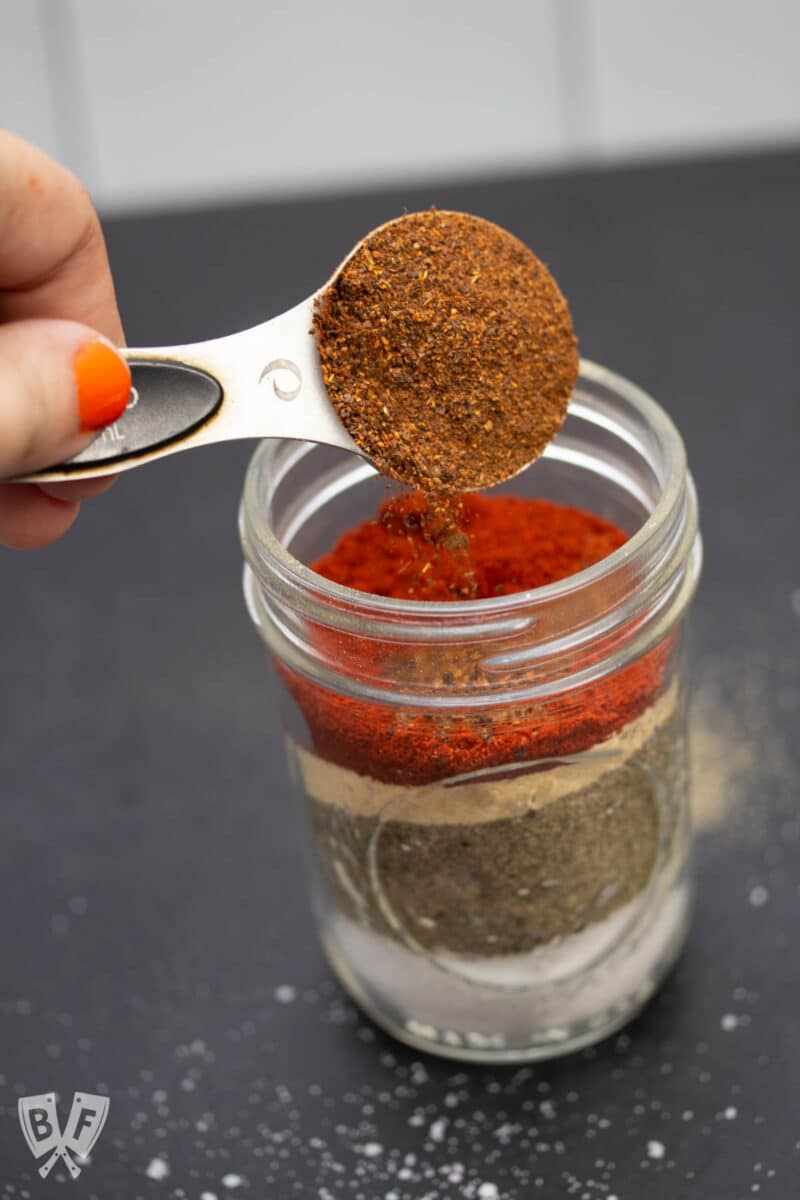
x=496, y=790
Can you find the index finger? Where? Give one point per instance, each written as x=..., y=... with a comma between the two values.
x=53, y=260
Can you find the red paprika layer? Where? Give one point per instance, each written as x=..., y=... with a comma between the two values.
x=508, y=545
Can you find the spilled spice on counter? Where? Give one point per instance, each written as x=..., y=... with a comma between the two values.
x=447, y=351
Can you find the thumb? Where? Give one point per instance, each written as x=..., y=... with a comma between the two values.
x=60, y=383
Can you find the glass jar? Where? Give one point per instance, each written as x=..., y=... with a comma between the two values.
x=497, y=789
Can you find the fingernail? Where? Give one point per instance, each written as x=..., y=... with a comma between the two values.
x=104, y=385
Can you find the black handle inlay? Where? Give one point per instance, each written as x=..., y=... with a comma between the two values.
x=168, y=401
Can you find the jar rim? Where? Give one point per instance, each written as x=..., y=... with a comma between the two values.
x=263, y=548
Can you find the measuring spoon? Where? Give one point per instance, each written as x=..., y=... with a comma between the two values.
x=267, y=382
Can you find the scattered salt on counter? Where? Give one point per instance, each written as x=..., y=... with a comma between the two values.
x=157, y=1169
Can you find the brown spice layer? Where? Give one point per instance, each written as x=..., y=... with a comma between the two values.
x=510, y=885
x=447, y=350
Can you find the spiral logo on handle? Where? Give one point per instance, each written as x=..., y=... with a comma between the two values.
x=284, y=364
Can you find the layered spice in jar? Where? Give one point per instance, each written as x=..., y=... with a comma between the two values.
x=489, y=846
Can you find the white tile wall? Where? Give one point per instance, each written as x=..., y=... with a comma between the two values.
x=694, y=73
x=162, y=101
x=286, y=95
x=26, y=104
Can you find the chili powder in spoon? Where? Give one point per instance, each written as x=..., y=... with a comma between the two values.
x=447, y=351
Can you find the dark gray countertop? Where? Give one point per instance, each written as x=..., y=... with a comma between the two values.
x=154, y=935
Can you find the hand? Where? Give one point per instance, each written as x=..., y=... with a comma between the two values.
x=60, y=378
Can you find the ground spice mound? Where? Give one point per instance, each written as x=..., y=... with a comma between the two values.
x=509, y=544
x=447, y=351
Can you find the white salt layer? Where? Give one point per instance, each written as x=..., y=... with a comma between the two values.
x=465, y=1007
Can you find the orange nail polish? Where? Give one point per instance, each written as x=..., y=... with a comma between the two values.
x=104, y=385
